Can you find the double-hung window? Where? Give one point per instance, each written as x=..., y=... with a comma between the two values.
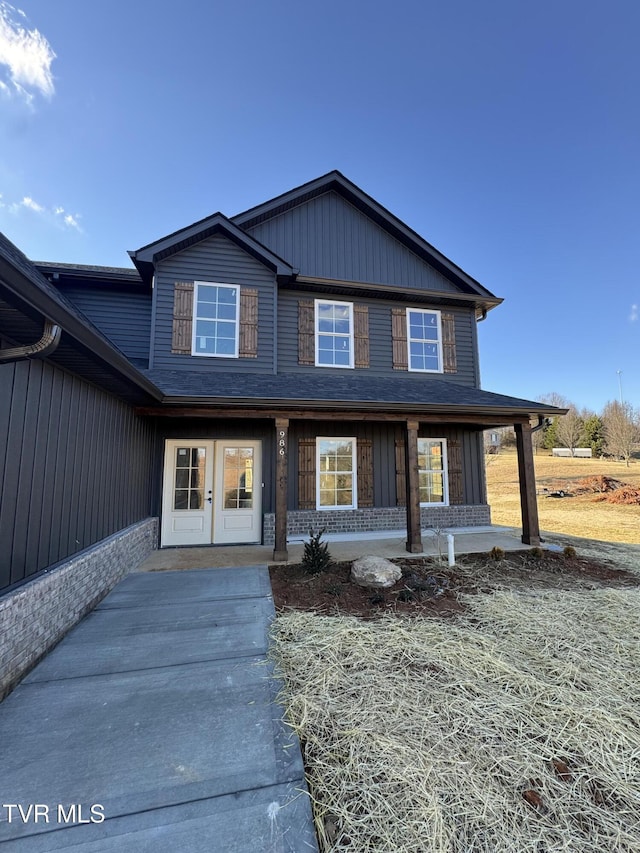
x=216, y=311
x=424, y=337
x=432, y=471
x=334, y=333
x=336, y=473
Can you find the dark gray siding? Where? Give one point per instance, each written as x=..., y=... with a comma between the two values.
x=329, y=238
x=75, y=466
x=380, y=341
x=124, y=317
x=201, y=428
x=383, y=436
x=216, y=259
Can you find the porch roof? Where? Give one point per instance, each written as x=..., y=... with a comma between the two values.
x=328, y=391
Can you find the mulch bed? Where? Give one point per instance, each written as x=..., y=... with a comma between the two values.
x=428, y=588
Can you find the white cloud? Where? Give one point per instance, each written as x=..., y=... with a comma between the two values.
x=634, y=313
x=25, y=56
x=32, y=205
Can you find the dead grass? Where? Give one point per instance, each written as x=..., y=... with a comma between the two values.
x=512, y=727
x=579, y=515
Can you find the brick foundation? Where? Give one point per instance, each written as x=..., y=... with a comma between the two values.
x=299, y=522
x=36, y=615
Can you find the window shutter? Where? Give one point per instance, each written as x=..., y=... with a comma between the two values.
x=399, y=338
x=306, y=473
x=306, y=332
x=364, y=450
x=361, y=335
x=454, y=460
x=401, y=473
x=248, y=323
x=182, y=317
x=449, y=343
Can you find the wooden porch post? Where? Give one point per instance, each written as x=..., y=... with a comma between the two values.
x=282, y=472
x=414, y=531
x=526, y=473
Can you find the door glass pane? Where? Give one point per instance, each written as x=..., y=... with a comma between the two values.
x=237, y=477
x=189, y=478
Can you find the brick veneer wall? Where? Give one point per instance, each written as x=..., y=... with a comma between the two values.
x=299, y=522
x=35, y=616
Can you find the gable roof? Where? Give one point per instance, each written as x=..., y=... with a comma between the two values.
x=146, y=257
x=335, y=181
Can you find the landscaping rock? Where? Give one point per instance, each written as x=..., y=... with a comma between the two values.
x=375, y=572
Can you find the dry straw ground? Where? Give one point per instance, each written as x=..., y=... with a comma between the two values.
x=576, y=516
x=511, y=725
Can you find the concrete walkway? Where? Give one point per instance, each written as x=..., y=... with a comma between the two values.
x=158, y=711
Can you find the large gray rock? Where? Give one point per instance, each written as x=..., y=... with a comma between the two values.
x=375, y=572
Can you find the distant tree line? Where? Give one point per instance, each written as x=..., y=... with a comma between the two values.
x=614, y=432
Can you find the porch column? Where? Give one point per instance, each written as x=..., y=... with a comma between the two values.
x=282, y=476
x=527, y=476
x=414, y=531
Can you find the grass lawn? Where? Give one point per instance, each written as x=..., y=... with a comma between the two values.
x=575, y=516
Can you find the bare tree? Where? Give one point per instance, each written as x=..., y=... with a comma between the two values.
x=570, y=428
x=620, y=429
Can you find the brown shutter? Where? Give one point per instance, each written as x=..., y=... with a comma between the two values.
x=364, y=450
x=401, y=473
x=454, y=460
x=449, y=343
x=361, y=335
x=306, y=332
x=306, y=473
x=182, y=317
x=248, y=323
x=399, y=337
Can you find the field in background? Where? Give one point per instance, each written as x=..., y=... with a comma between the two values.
x=576, y=516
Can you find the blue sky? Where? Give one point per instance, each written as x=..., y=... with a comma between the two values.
x=507, y=134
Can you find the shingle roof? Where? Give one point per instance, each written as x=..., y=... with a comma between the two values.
x=325, y=389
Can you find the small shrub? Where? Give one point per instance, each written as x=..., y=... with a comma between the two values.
x=316, y=557
x=496, y=553
x=536, y=553
x=570, y=552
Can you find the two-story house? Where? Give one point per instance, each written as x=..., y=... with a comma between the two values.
x=309, y=363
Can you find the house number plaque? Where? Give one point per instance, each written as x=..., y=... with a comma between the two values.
x=282, y=443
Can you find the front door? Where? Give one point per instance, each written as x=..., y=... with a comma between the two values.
x=211, y=492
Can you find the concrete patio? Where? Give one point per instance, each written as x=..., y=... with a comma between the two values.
x=158, y=710
x=389, y=544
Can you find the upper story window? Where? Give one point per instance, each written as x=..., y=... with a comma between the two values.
x=334, y=333
x=216, y=310
x=424, y=336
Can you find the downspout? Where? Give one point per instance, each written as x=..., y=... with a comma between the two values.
x=45, y=346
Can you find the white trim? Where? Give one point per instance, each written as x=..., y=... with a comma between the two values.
x=438, y=314
x=354, y=471
x=445, y=471
x=194, y=319
x=317, y=333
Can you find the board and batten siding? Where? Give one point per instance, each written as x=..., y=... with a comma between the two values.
x=216, y=259
x=327, y=237
x=380, y=339
x=383, y=437
x=124, y=317
x=75, y=467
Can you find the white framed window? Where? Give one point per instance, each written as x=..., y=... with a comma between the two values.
x=334, y=333
x=336, y=483
x=424, y=339
x=433, y=479
x=216, y=319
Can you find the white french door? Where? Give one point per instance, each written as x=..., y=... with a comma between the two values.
x=211, y=492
